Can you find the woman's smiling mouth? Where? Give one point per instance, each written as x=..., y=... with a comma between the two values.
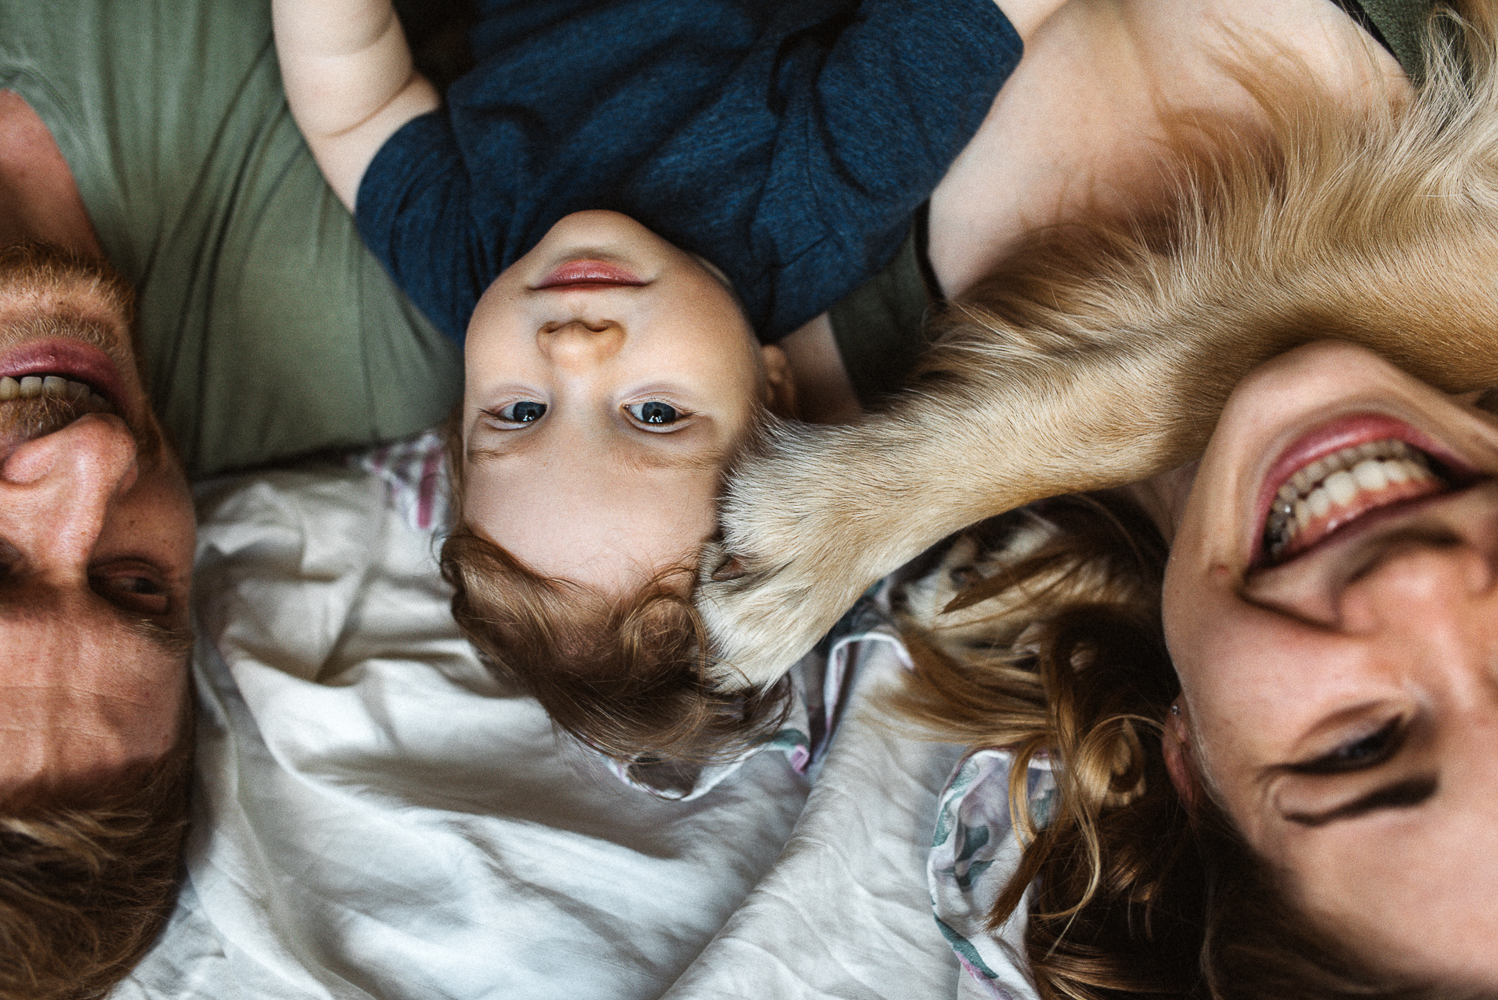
x=1335, y=490
x=1339, y=473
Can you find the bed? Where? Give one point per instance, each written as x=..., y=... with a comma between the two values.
x=376, y=816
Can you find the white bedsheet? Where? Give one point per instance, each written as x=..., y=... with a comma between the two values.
x=375, y=816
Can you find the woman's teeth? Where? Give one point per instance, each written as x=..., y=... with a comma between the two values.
x=53, y=387
x=1341, y=486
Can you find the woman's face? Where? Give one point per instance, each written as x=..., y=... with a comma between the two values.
x=1331, y=605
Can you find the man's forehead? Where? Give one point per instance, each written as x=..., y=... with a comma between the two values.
x=75, y=734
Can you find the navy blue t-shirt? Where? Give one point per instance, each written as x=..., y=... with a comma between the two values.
x=787, y=141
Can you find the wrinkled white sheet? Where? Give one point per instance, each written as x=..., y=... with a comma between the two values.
x=375, y=816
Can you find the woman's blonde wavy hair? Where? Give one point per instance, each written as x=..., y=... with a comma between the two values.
x=1060, y=653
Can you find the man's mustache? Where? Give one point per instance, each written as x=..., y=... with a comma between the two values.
x=24, y=420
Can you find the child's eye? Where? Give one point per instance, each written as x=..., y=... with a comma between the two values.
x=526, y=411
x=654, y=413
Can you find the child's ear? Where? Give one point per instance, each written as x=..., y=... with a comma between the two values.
x=780, y=386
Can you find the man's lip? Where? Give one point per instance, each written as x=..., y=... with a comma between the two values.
x=1330, y=437
x=582, y=274
x=71, y=359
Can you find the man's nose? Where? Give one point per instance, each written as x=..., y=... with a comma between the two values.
x=581, y=343
x=55, y=490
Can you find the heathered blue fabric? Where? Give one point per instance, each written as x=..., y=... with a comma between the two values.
x=787, y=141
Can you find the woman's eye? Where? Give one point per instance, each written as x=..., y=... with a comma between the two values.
x=654, y=413
x=527, y=411
x=1358, y=754
x=133, y=590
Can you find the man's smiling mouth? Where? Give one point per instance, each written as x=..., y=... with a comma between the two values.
x=44, y=386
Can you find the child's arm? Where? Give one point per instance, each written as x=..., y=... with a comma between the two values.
x=349, y=80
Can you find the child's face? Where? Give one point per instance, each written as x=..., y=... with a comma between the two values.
x=609, y=377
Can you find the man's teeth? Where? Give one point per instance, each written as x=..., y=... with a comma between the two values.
x=1335, y=481
x=53, y=387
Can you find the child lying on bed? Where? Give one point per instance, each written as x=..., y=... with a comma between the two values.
x=773, y=153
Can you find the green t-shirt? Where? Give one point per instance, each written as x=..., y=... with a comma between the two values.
x=268, y=330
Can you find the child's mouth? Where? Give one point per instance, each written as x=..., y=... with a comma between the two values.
x=582, y=274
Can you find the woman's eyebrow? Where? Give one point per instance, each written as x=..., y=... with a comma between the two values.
x=1404, y=794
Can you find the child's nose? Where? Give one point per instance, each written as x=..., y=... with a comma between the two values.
x=581, y=342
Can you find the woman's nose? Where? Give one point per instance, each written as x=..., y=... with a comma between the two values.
x=55, y=490
x=581, y=343
x=1423, y=586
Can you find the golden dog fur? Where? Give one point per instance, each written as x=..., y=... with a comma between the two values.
x=1099, y=356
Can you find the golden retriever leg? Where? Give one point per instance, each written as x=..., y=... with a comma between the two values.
x=826, y=511
x=1103, y=356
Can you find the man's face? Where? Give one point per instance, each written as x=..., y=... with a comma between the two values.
x=96, y=536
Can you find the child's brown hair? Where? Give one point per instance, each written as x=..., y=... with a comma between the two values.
x=627, y=676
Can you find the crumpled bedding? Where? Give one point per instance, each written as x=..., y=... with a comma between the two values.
x=377, y=816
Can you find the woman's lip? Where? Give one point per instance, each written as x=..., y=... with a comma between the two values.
x=1330, y=437
x=587, y=273
x=70, y=359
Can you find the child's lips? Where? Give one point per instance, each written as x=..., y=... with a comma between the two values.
x=582, y=274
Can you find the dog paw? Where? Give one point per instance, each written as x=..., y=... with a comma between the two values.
x=792, y=558
x=763, y=616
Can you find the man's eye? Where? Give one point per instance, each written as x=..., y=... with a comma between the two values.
x=526, y=411
x=134, y=591
x=655, y=413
